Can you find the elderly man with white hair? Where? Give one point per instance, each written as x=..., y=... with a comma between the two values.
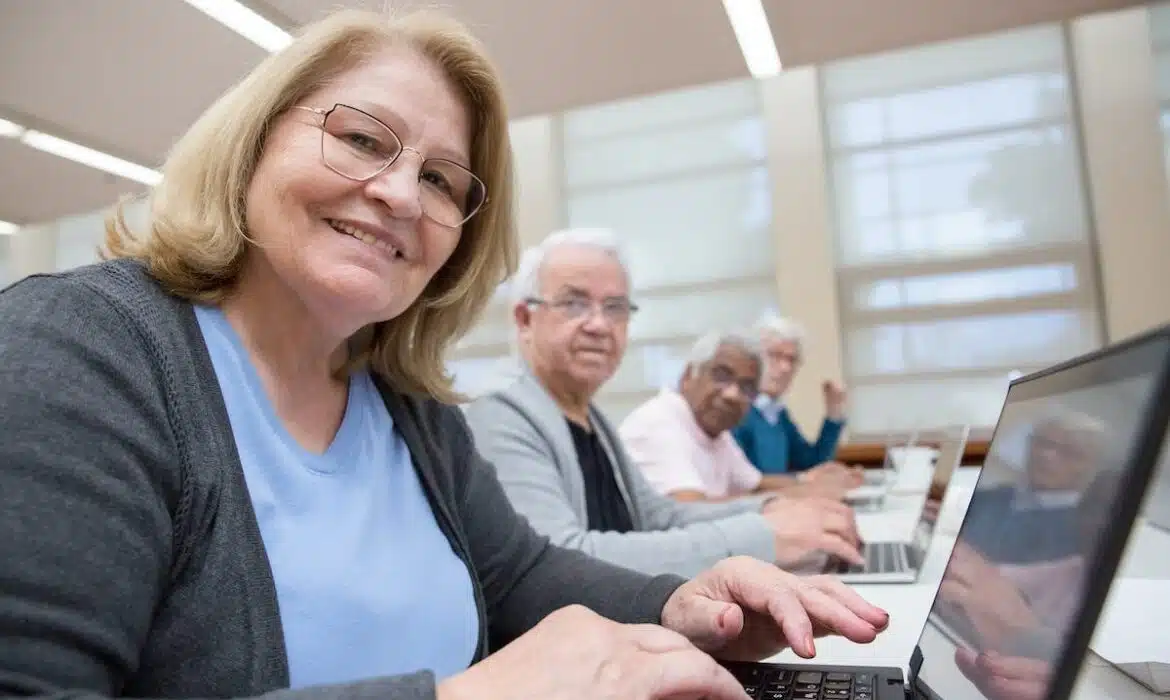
x=681, y=439
x=768, y=435
x=562, y=463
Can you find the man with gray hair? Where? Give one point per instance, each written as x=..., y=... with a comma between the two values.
x=562, y=463
x=681, y=439
x=768, y=435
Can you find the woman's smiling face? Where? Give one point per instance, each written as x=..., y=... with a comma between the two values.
x=359, y=252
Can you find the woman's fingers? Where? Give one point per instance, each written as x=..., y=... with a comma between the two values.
x=830, y=613
x=851, y=599
x=673, y=667
x=688, y=673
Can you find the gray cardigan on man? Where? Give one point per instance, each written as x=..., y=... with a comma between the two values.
x=524, y=434
x=132, y=561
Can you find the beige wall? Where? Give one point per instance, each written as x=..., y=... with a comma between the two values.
x=1125, y=163
x=804, y=234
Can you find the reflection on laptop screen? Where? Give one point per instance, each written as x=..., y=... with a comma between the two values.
x=1015, y=582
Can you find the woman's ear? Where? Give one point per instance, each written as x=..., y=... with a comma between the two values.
x=522, y=315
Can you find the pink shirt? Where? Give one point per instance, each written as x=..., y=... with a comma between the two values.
x=663, y=439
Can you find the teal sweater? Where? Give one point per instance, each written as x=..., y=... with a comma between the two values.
x=780, y=448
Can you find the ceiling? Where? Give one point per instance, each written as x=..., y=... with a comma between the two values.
x=127, y=76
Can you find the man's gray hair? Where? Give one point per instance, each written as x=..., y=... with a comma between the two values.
x=771, y=326
x=526, y=283
x=706, y=347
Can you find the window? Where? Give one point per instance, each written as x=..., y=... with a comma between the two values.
x=682, y=178
x=1160, y=39
x=962, y=236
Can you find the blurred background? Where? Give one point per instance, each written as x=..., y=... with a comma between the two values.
x=944, y=192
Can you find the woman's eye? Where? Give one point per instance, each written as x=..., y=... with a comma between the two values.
x=438, y=181
x=364, y=142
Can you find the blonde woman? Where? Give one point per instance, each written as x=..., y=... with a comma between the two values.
x=230, y=460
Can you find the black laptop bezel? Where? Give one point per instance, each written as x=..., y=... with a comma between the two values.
x=1138, y=470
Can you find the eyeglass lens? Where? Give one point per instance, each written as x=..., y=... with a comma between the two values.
x=361, y=147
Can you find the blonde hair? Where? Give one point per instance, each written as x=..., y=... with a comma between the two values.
x=197, y=238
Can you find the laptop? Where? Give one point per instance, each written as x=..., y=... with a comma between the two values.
x=880, y=483
x=888, y=472
x=900, y=562
x=1052, y=645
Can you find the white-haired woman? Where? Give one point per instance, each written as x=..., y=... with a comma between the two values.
x=230, y=460
x=768, y=436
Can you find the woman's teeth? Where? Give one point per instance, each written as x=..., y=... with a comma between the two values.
x=364, y=237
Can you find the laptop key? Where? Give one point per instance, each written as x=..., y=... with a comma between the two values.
x=809, y=677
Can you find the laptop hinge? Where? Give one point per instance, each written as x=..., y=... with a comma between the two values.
x=915, y=667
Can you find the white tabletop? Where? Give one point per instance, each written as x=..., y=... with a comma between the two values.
x=909, y=604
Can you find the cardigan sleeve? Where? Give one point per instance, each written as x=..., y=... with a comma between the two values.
x=86, y=519
x=684, y=538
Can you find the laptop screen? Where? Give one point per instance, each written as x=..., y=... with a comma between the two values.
x=950, y=455
x=1015, y=582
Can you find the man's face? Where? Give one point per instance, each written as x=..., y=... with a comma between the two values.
x=575, y=332
x=1060, y=458
x=781, y=359
x=721, y=391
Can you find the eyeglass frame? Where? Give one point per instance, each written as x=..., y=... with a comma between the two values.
x=748, y=392
x=592, y=306
x=402, y=147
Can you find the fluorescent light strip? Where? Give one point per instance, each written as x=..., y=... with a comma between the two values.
x=7, y=228
x=754, y=34
x=87, y=156
x=54, y=145
x=244, y=21
x=10, y=130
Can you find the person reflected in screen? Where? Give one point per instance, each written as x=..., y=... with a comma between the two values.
x=1027, y=519
x=1015, y=617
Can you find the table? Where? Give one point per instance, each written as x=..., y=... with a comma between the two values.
x=909, y=604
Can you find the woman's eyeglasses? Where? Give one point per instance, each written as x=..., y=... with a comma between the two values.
x=358, y=146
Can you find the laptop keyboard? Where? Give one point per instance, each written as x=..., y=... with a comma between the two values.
x=880, y=558
x=765, y=683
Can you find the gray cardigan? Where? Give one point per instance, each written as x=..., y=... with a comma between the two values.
x=524, y=434
x=132, y=561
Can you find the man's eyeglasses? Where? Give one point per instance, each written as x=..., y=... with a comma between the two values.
x=723, y=377
x=358, y=146
x=615, y=310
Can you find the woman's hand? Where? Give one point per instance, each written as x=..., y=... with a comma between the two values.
x=743, y=609
x=574, y=654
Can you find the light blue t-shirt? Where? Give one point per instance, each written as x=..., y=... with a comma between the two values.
x=368, y=584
